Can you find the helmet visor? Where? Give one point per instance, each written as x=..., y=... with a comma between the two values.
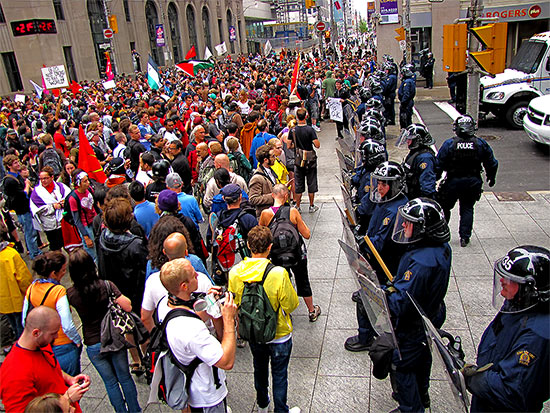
x=403, y=137
x=383, y=189
x=407, y=229
x=511, y=294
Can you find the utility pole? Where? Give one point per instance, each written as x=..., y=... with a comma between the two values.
x=472, y=97
x=407, y=27
x=112, y=40
x=333, y=31
x=344, y=8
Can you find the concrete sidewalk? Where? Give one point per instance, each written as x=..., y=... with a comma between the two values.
x=323, y=376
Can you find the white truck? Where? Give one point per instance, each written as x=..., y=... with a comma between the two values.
x=507, y=95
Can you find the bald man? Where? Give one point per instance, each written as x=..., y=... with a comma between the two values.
x=174, y=247
x=31, y=369
x=221, y=161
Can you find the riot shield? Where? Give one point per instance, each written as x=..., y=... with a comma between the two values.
x=348, y=140
x=349, y=235
x=372, y=296
x=345, y=148
x=450, y=364
x=345, y=162
x=349, y=205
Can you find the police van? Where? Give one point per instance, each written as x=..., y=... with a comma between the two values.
x=507, y=95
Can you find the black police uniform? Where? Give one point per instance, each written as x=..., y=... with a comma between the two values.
x=420, y=173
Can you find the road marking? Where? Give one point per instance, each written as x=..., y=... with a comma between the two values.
x=448, y=109
x=420, y=120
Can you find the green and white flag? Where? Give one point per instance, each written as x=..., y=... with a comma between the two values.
x=153, y=76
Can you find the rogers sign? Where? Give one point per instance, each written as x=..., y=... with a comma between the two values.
x=509, y=13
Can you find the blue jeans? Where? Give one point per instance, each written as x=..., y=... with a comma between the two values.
x=16, y=324
x=30, y=234
x=68, y=356
x=280, y=357
x=115, y=373
x=92, y=250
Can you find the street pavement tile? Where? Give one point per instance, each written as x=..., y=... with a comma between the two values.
x=336, y=361
x=456, y=318
x=506, y=208
x=545, y=225
x=441, y=397
x=345, y=285
x=340, y=394
x=476, y=294
x=473, y=264
x=490, y=229
x=380, y=396
x=542, y=240
x=478, y=324
x=307, y=337
x=498, y=247
x=474, y=247
x=537, y=210
x=323, y=248
x=322, y=293
x=302, y=373
x=243, y=360
x=89, y=403
x=241, y=395
x=484, y=210
x=344, y=271
x=520, y=223
x=322, y=268
x=342, y=312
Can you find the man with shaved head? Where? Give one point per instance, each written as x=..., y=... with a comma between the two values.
x=31, y=369
x=221, y=161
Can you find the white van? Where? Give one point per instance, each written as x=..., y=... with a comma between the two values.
x=507, y=95
x=537, y=121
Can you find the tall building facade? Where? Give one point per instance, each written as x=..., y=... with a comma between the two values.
x=39, y=33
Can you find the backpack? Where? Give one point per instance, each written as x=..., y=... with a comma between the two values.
x=286, y=249
x=257, y=318
x=222, y=121
x=51, y=158
x=67, y=214
x=227, y=242
x=240, y=165
x=273, y=104
x=170, y=380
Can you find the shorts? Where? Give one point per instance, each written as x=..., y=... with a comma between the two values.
x=303, y=287
x=221, y=407
x=314, y=111
x=300, y=176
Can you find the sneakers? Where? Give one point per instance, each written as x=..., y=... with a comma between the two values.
x=314, y=315
x=313, y=208
x=295, y=409
x=464, y=242
x=317, y=128
x=263, y=409
x=241, y=343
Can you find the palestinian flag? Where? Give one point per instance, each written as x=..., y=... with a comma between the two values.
x=153, y=76
x=192, y=67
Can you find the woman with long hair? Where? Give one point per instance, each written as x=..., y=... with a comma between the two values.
x=90, y=298
x=66, y=174
x=47, y=290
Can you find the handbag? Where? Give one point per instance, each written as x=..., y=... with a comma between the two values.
x=117, y=323
x=304, y=158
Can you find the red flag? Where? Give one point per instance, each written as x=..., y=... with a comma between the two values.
x=295, y=75
x=44, y=83
x=87, y=160
x=191, y=53
x=75, y=87
x=337, y=5
x=108, y=68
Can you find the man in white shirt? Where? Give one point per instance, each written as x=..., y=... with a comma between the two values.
x=118, y=152
x=145, y=174
x=168, y=132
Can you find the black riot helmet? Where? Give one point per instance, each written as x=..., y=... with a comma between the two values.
x=464, y=126
x=417, y=135
x=407, y=71
x=521, y=279
x=376, y=87
x=376, y=114
x=420, y=218
x=392, y=179
x=161, y=169
x=373, y=154
x=365, y=94
x=374, y=103
x=371, y=130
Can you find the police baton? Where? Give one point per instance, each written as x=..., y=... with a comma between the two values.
x=378, y=258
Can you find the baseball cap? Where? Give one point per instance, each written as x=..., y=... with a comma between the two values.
x=10, y=131
x=231, y=192
x=173, y=180
x=168, y=201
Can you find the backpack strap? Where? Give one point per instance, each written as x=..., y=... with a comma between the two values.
x=281, y=214
x=268, y=269
x=43, y=299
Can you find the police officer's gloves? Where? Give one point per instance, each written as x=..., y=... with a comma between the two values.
x=491, y=182
x=390, y=289
x=470, y=370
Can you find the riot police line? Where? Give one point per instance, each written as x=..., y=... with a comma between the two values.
x=396, y=241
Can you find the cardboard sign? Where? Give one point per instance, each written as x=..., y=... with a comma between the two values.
x=55, y=77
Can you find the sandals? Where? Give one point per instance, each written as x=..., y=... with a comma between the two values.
x=313, y=315
x=137, y=369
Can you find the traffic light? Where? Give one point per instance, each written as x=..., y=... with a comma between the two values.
x=401, y=32
x=327, y=36
x=455, y=40
x=113, y=24
x=310, y=4
x=493, y=38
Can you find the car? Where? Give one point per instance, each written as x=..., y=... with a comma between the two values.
x=537, y=120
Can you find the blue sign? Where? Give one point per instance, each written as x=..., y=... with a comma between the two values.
x=232, y=34
x=159, y=34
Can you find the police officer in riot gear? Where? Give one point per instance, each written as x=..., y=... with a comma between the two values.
x=390, y=87
x=464, y=157
x=424, y=273
x=406, y=94
x=386, y=192
x=364, y=94
x=514, y=353
x=420, y=163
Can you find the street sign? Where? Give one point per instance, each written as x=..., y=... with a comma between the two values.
x=108, y=33
x=320, y=26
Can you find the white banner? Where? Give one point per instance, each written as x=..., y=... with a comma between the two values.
x=109, y=84
x=221, y=49
x=20, y=98
x=55, y=77
x=267, y=48
x=335, y=109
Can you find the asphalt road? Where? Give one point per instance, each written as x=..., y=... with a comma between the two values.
x=523, y=165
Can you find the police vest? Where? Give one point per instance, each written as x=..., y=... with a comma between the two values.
x=465, y=157
x=412, y=177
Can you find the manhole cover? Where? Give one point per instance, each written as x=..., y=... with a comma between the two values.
x=513, y=196
x=491, y=137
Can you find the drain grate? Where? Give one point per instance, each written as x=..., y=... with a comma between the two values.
x=491, y=137
x=513, y=196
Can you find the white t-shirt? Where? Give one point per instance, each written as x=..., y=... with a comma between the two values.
x=143, y=177
x=245, y=109
x=188, y=338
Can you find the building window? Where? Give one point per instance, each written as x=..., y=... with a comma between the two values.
x=239, y=32
x=190, y=13
x=230, y=23
x=2, y=17
x=12, y=71
x=67, y=51
x=98, y=22
x=220, y=30
x=58, y=8
x=206, y=28
x=126, y=10
x=173, y=23
x=152, y=21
